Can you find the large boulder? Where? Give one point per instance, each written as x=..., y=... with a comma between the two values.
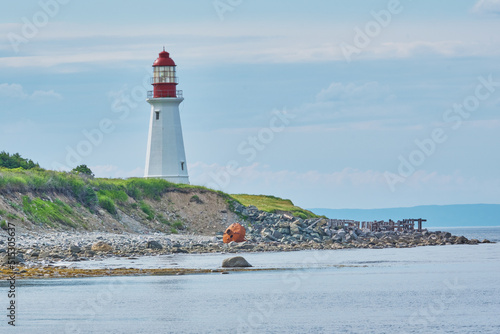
x=284, y=230
x=101, y=246
x=153, y=244
x=237, y=261
x=294, y=228
x=74, y=249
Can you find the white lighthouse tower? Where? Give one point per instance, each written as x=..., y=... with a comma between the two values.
x=165, y=153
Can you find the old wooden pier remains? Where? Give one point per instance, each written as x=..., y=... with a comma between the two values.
x=405, y=225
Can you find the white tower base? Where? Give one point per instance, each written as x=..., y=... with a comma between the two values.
x=165, y=157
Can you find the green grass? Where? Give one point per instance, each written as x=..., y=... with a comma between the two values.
x=3, y=224
x=15, y=206
x=86, y=189
x=163, y=220
x=111, y=194
x=46, y=212
x=12, y=216
x=178, y=224
x=2, y=212
x=196, y=199
x=147, y=210
x=117, y=195
x=273, y=204
x=107, y=204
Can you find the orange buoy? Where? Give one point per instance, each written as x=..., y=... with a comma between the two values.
x=235, y=232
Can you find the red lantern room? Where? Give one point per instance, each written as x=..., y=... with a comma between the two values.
x=164, y=79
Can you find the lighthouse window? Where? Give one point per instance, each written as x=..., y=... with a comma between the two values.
x=182, y=165
x=157, y=115
x=164, y=74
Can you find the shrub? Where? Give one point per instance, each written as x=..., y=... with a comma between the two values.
x=36, y=183
x=46, y=212
x=116, y=195
x=147, y=188
x=147, y=210
x=82, y=170
x=107, y=204
x=16, y=183
x=196, y=199
x=16, y=161
x=178, y=224
x=162, y=219
x=300, y=215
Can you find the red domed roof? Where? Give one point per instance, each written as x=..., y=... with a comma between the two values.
x=164, y=59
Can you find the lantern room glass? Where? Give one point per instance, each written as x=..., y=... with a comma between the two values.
x=164, y=74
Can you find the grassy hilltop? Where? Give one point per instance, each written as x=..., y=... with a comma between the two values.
x=37, y=199
x=273, y=204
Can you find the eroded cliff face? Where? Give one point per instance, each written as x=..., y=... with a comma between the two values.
x=184, y=211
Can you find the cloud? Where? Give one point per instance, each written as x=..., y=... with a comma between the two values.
x=243, y=42
x=17, y=91
x=338, y=91
x=487, y=7
x=417, y=48
x=370, y=103
x=43, y=94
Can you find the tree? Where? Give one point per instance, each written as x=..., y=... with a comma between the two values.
x=82, y=170
x=16, y=161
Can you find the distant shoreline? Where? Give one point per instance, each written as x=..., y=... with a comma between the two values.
x=458, y=215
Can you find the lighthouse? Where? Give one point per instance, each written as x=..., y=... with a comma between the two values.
x=165, y=156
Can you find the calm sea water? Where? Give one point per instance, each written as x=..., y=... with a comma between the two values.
x=442, y=289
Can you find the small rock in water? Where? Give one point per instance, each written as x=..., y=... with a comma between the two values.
x=237, y=261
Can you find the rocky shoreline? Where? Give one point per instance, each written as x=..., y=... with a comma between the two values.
x=266, y=232
x=64, y=246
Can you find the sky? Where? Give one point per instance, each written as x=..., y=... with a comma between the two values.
x=333, y=104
